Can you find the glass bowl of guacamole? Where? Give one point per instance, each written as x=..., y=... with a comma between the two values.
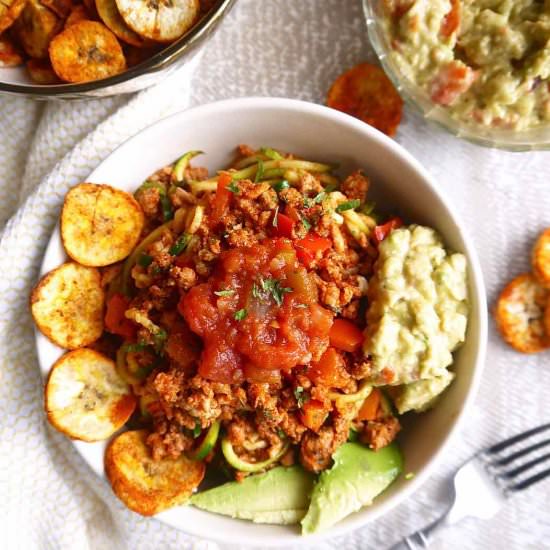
x=480, y=69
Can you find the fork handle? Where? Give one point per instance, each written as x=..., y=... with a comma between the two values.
x=415, y=541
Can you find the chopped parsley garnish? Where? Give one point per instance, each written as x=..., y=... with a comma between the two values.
x=348, y=205
x=233, y=187
x=271, y=287
x=180, y=245
x=330, y=187
x=260, y=172
x=145, y=260
x=301, y=396
x=227, y=292
x=133, y=348
x=160, y=338
x=306, y=224
x=197, y=429
x=368, y=208
x=271, y=153
x=275, y=222
x=240, y=315
x=280, y=185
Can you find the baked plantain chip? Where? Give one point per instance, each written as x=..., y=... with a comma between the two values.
x=62, y=8
x=100, y=225
x=519, y=314
x=86, y=51
x=134, y=56
x=78, y=13
x=541, y=258
x=67, y=305
x=35, y=28
x=149, y=486
x=9, y=55
x=159, y=20
x=366, y=93
x=109, y=14
x=85, y=398
x=41, y=72
x=9, y=12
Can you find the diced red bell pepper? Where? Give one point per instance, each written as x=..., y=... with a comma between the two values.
x=382, y=231
x=369, y=408
x=222, y=198
x=329, y=370
x=313, y=414
x=307, y=247
x=283, y=226
x=115, y=321
x=345, y=335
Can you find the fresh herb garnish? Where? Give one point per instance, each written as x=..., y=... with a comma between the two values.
x=368, y=207
x=227, y=292
x=133, y=348
x=280, y=185
x=270, y=286
x=275, y=222
x=281, y=434
x=301, y=396
x=330, y=187
x=271, y=153
x=180, y=245
x=348, y=205
x=233, y=187
x=259, y=172
x=240, y=315
x=159, y=339
x=166, y=205
x=306, y=224
x=145, y=260
x=197, y=429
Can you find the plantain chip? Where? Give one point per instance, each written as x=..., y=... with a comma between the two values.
x=134, y=56
x=62, y=8
x=35, y=28
x=540, y=258
x=109, y=14
x=9, y=55
x=159, y=20
x=41, y=72
x=86, y=51
x=78, y=13
x=67, y=305
x=100, y=225
x=9, y=12
x=85, y=398
x=366, y=93
x=149, y=486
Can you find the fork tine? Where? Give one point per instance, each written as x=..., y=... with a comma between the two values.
x=522, y=452
x=524, y=467
x=516, y=439
x=530, y=481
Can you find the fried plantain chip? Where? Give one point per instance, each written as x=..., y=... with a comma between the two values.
x=134, y=56
x=159, y=20
x=85, y=398
x=9, y=55
x=35, y=28
x=78, y=13
x=41, y=72
x=67, y=305
x=9, y=12
x=109, y=14
x=149, y=486
x=90, y=8
x=366, y=93
x=519, y=314
x=541, y=258
x=100, y=225
x=547, y=319
x=62, y=8
x=86, y=51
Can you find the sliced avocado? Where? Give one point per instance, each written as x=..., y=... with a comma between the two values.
x=356, y=478
x=421, y=395
x=279, y=496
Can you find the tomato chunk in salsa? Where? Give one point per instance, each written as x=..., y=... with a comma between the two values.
x=258, y=314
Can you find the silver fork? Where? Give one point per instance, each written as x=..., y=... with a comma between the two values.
x=486, y=481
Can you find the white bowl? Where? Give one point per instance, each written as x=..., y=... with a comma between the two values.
x=400, y=185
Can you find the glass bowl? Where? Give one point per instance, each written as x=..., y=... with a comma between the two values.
x=151, y=71
x=510, y=140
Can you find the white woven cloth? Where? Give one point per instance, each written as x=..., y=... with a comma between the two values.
x=48, y=497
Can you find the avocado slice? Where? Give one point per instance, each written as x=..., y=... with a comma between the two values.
x=356, y=478
x=279, y=496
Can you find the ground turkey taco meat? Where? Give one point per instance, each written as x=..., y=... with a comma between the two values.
x=486, y=61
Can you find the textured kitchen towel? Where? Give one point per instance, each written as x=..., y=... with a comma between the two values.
x=48, y=497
